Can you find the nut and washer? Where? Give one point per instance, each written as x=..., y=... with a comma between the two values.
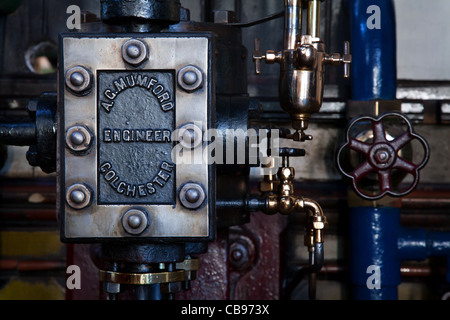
x=190, y=78
x=78, y=138
x=192, y=196
x=78, y=196
x=134, y=52
x=79, y=79
x=190, y=136
x=135, y=221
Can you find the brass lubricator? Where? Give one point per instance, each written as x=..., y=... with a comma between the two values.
x=302, y=64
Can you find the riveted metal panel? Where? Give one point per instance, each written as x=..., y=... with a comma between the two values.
x=130, y=139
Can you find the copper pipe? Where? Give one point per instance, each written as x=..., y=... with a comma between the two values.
x=406, y=270
x=31, y=265
x=292, y=23
x=314, y=18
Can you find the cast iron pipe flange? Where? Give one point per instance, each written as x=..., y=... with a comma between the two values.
x=381, y=156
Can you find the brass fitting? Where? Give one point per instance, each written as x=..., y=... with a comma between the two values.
x=317, y=221
x=270, y=183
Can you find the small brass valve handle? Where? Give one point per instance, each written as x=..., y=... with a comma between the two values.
x=269, y=56
x=258, y=56
x=382, y=156
x=345, y=59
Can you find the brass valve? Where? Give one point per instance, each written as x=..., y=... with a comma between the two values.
x=285, y=202
x=302, y=63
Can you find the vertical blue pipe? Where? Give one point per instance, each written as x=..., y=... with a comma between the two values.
x=374, y=65
x=376, y=236
x=373, y=243
x=374, y=231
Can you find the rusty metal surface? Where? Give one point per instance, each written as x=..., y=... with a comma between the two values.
x=220, y=278
x=263, y=280
x=79, y=254
x=212, y=281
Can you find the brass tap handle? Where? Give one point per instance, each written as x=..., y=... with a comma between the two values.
x=347, y=59
x=258, y=56
x=336, y=59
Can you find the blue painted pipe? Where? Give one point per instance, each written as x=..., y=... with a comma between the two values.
x=374, y=231
x=378, y=240
x=373, y=244
x=378, y=243
x=374, y=65
x=419, y=244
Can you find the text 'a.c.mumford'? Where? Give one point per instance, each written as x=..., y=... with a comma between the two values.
x=130, y=81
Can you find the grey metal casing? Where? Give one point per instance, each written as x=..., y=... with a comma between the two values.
x=140, y=158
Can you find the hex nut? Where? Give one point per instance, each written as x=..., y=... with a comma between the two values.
x=190, y=136
x=135, y=52
x=78, y=138
x=78, y=196
x=192, y=196
x=190, y=78
x=135, y=221
x=78, y=80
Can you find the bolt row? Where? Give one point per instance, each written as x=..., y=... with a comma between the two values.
x=79, y=79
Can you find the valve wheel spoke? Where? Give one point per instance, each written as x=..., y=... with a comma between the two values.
x=384, y=178
x=359, y=146
x=401, y=140
x=378, y=132
x=405, y=165
x=363, y=170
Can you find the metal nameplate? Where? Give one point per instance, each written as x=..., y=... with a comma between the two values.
x=136, y=118
x=118, y=111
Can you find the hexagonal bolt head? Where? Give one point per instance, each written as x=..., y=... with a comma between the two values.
x=135, y=221
x=190, y=78
x=242, y=253
x=190, y=136
x=135, y=52
x=192, y=196
x=78, y=80
x=78, y=138
x=78, y=196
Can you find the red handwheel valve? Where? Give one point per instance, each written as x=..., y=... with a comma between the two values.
x=381, y=155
